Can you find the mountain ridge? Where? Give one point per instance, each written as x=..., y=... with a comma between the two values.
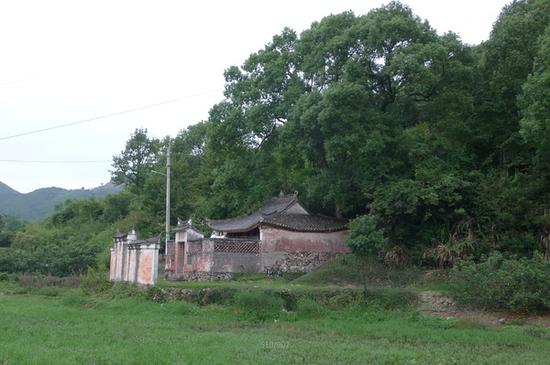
x=40, y=203
x=7, y=192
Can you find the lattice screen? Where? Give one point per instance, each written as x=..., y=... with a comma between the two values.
x=237, y=246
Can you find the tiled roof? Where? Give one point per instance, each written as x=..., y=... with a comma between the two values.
x=247, y=222
x=273, y=213
x=278, y=204
x=237, y=224
x=185, y=225
x=155, y=239
x=305, y=223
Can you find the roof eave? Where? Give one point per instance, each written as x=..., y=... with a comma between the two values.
x=218, y=229
x=287, y=228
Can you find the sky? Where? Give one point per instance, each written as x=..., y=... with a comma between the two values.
x=66, y=61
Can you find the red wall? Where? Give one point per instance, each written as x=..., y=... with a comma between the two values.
x=278, y=240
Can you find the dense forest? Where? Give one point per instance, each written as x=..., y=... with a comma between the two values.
x=435, y=150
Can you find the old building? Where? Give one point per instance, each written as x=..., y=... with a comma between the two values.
x=133, y=260
x=281, y=236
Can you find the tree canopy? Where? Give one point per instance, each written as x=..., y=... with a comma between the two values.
x=440, y=143
x=437, y=149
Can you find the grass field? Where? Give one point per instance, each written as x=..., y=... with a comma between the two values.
x=44, y=323
x=65, y=326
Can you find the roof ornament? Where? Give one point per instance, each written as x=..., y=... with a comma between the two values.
x=132, y=235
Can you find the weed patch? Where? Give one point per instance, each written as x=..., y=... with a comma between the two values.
x=501, y=283
x=258, y=305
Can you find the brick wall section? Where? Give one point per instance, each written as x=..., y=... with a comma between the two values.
x=289, y=251
x=170, y=257
x=277, y=251
x=134, y=261
x=236, y=245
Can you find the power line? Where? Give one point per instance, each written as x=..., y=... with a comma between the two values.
x=105, y=116
x=11, y=82
x=56, y=161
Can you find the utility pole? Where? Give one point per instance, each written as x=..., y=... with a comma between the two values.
x=167, y=238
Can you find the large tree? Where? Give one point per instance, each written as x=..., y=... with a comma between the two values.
x=136, y=161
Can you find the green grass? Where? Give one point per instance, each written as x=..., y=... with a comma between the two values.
x=243, y=281
x=72, y=328
x=349, y=270
x=342, y=271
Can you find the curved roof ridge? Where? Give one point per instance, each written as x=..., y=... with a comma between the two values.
x=278, y=204
x=306, y=222
x=231, y=219
x=272, y=206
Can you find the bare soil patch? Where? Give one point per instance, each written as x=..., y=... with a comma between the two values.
x=440, y=305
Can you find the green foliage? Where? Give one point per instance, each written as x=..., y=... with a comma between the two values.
x=258, y=305
x=41, y=281
x=214, y=335
x=94, y=281
x=365, y=239
x=309, y=308
x=535, y=103
x=436, y=149
x=389, y=298
x=155, y=294
x=49, y=260
x=344, y=270
x=9, y=226
x=136, y=161
x=377, y=116
x=500, y=283
x=40, y=203
x=290, y=300
x=77, y=235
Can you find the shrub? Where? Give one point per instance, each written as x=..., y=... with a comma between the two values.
x=342, y=300
x=259, y=305
x=124, y=290
x=290, y=300
x=308, y=308
x=500, y=283
x=4, y=276
x=395, y=256
x=156, y=294
x=365, y=239
x=12, y=261
x=217, y=295
x=94, y=282
x=49, y=260
x=391, y=299
x=39, y=281
x=186, y=309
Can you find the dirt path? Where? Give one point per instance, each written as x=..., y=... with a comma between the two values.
x=440, y=305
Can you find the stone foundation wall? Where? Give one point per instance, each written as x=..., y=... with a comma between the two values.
x=278, y=251
x=289, y=251
x=203, y=276
x=296, y=262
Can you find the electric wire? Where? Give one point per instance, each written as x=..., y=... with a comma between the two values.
x=55, y=161
x=64, y=125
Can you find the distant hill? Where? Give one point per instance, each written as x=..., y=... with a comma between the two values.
x=7, y=193
x=40, y=203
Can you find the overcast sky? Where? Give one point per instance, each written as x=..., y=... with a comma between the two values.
x=64, y=61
